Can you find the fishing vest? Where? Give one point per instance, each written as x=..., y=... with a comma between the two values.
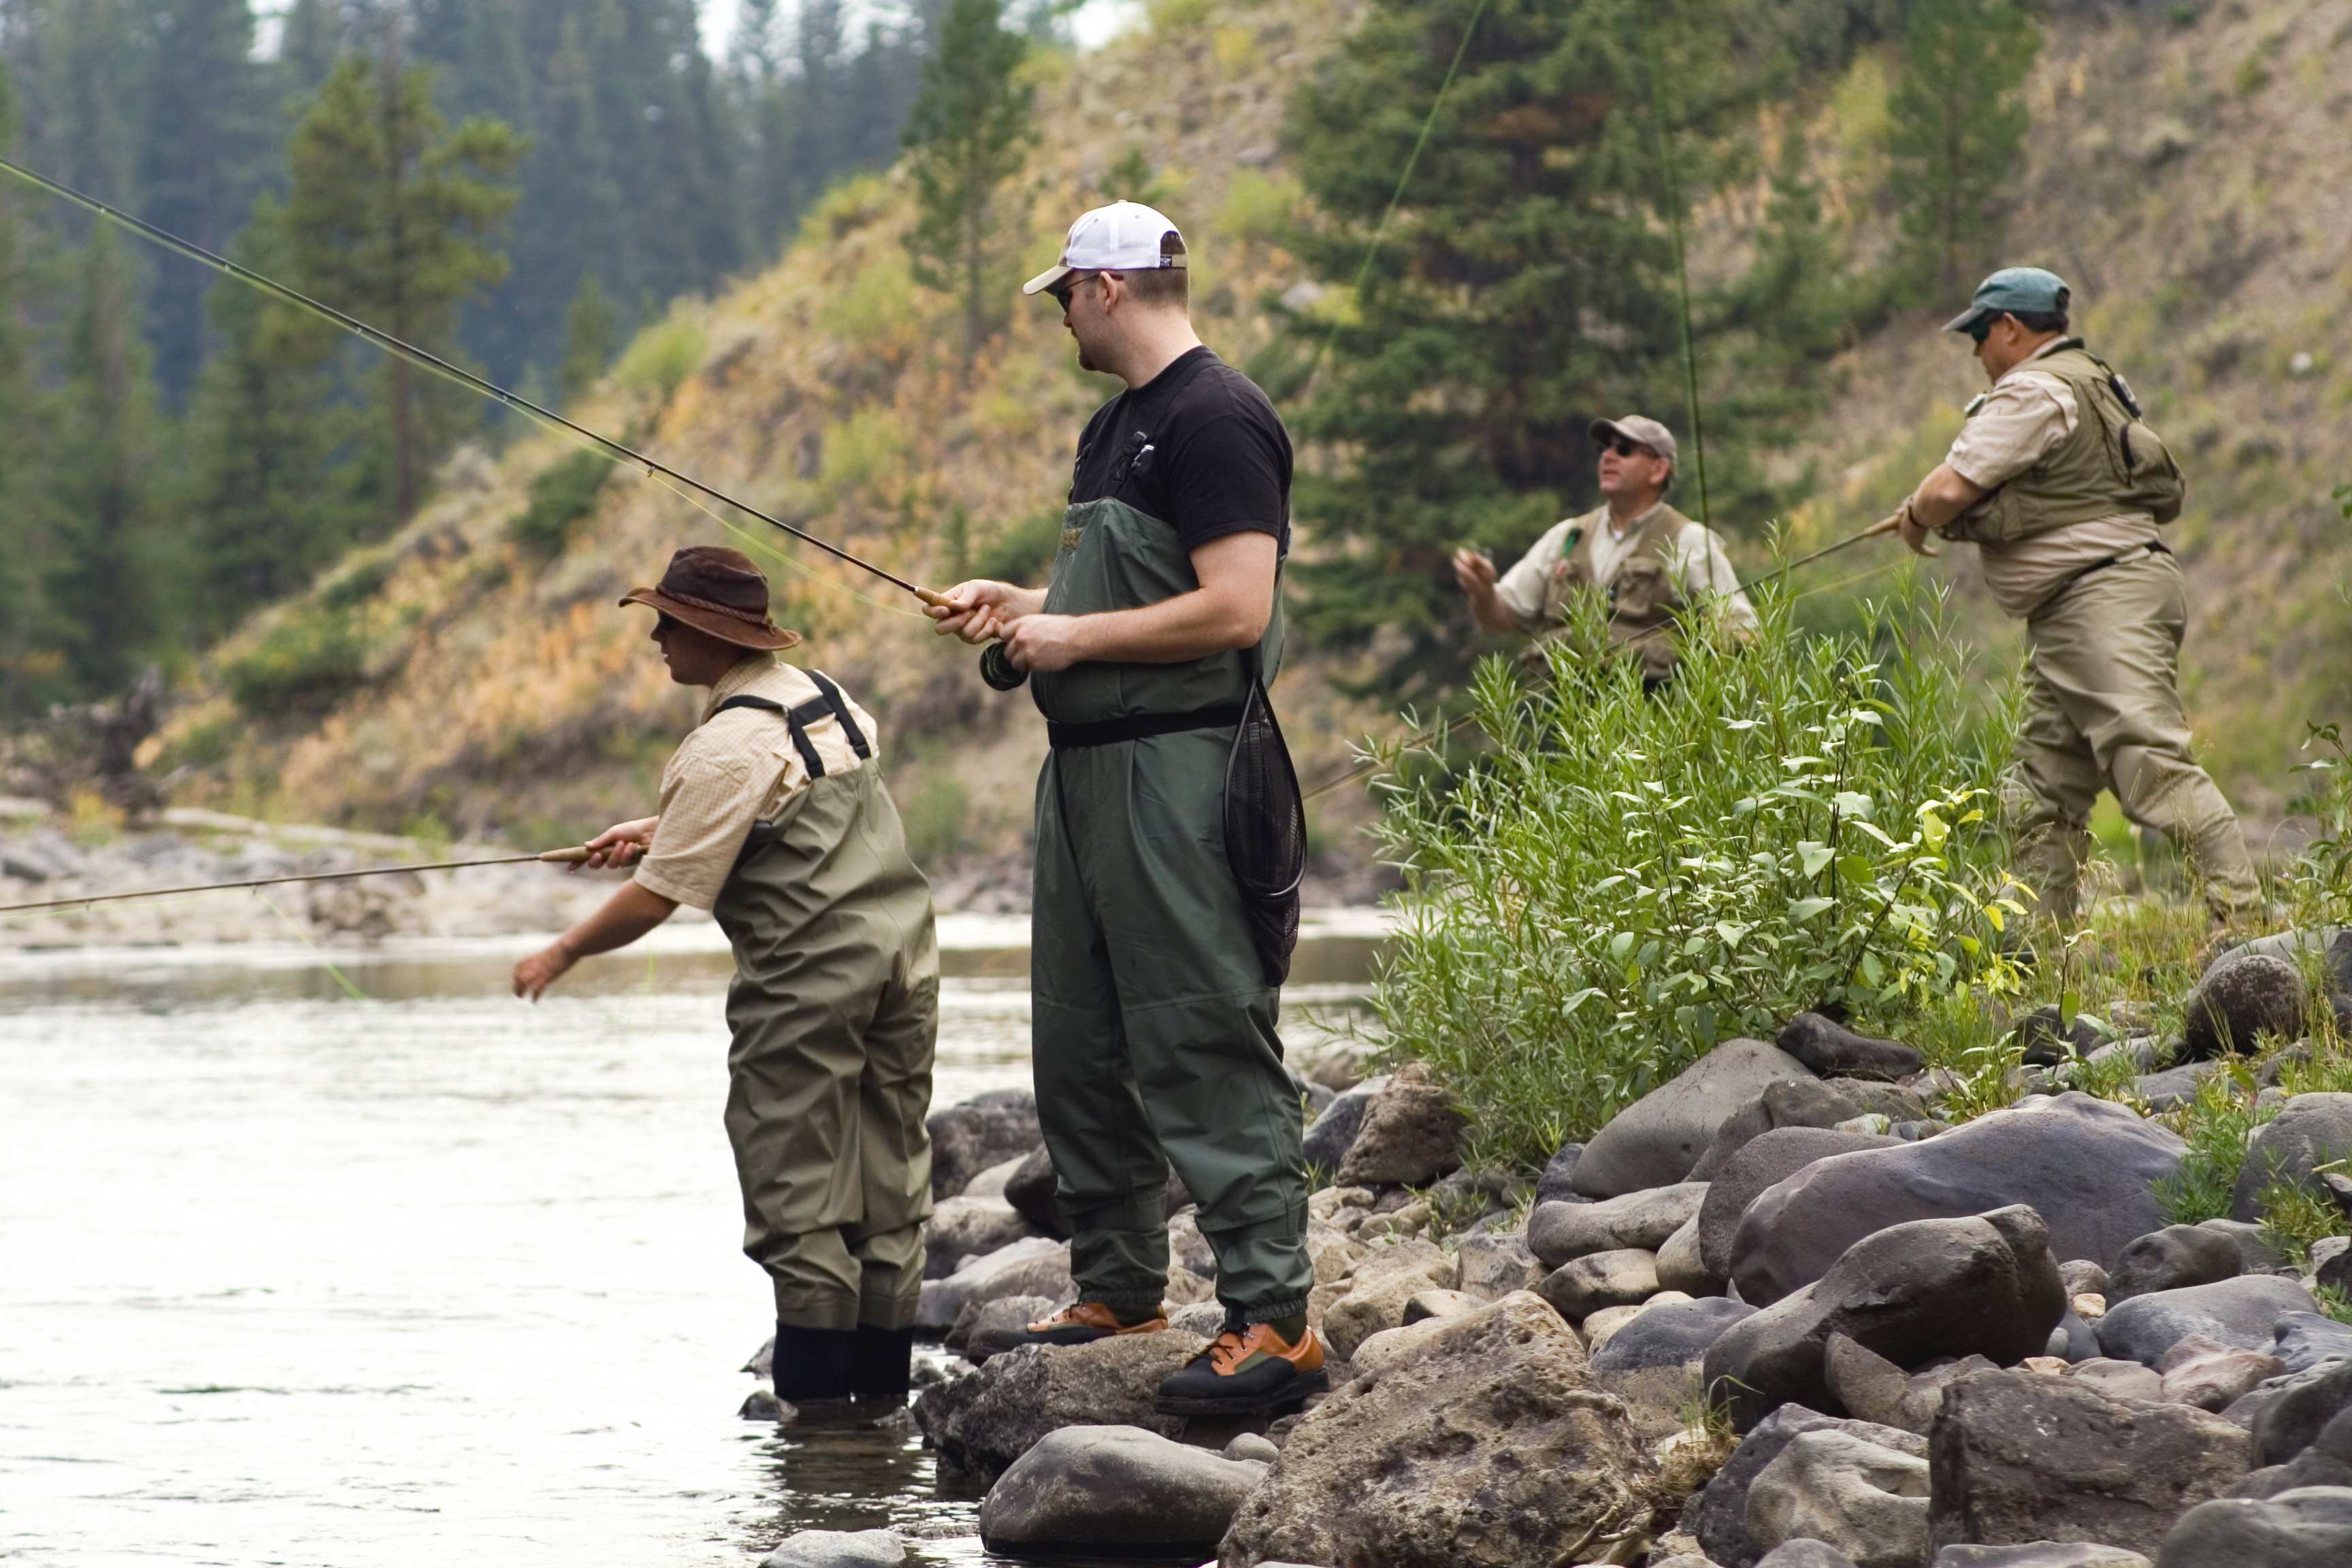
x=828, y=883
x=2111, y=463
x=1643, y=597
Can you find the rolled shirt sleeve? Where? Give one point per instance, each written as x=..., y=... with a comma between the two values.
x=1705, y=574
x=1521, y=589
x=2020, y=420
x=708, y=806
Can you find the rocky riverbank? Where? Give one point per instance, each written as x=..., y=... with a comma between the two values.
x=1791, y=1308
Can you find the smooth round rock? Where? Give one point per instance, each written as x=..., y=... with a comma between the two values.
x=2312, y=1130
x=1654, y=1142
x=837, y=1549
x=2245, y=1312
x=1091, y=1488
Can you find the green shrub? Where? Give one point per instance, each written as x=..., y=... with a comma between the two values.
x=1621, y=880
x=1022, y=553
x=561, y=495
x=300, y=665
x=938, y=817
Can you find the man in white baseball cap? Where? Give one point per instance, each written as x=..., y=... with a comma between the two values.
x=1153, y=1003
x=1653, y=563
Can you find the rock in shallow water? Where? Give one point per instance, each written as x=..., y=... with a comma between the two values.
x=1492, y=1446
x=2040, y=1555
x=1034, y=1267
x=1119, y=1489
x=837, y=1549
x=2020, y=1456
x=982, y=1423
x=2245, y=1312
x=1866, y=1500
x=2092, y=1167
x=964, y=1227
x=2310, y=1527
x=1985, y=1285
x=1654, y=1142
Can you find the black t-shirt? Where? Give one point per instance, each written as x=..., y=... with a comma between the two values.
x=1198, y=447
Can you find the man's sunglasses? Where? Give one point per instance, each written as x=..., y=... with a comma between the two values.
x=1626, y=448
x=1060, y=292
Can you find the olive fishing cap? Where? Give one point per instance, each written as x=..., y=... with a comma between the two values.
x=718, y=591
x=2014, y=289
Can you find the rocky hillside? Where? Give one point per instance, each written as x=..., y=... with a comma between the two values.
x=473, y=676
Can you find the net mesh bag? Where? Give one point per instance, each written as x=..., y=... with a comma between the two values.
x=1265, y=832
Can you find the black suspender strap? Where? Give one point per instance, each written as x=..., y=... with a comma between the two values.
x=827, y=703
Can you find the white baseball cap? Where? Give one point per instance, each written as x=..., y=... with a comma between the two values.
x=1125, y=236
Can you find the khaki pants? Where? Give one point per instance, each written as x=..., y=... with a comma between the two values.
x=2102, y=708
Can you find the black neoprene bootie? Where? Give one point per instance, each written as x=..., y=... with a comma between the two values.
x=812, y=1365
x=881, y=1364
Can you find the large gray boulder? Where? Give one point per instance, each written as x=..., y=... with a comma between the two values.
x=1116, y=1489
x=986, y=1129
x=1867, y=1500
x=1984, y=1286
x=981, y=1423
x=1330, y=1135
x=837, y=1549
x=2309, y=1129
x=2090, y=1166
x=1765, y=1160
x=1411, y=1134
x=1558, y=1232
x=2240, y=999
x=1833, y=1050
x=1655, y=1141
x=2245, y=1311
x=2327, y=1462
x=1037, y=1266
x=1491, y=1447
x=964, y=1227
x=2020, y=1457
x=1799, y=1102
x=2171, y=1259
x=2304, y=1340
x=2306, y=1407
x=2310, y=1527
x=1717, y=1517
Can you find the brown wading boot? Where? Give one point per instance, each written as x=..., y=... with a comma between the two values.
x=1248, y=1371
x=1076, y=1325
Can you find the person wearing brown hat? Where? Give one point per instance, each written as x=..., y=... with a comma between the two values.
x=774, y=819
x=1653, y=563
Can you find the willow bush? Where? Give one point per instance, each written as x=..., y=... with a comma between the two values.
x=1613, y=882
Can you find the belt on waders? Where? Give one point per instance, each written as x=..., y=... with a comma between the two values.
x=1137, y=726
x=828, y=700
x=2153, y=547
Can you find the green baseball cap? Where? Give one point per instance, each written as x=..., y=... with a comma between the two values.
x=2014, y=289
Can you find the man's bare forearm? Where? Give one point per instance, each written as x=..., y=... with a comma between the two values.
x=1942, y=496
x=632, y=911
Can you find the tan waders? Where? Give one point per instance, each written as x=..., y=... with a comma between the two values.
x=834, y=1010
x=1153, y=1024
x=2102, y=708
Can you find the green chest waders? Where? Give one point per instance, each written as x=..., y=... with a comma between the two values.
x=835, y=1014
x=1153, y=1011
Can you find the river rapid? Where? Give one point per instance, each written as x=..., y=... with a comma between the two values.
x=351, y=1259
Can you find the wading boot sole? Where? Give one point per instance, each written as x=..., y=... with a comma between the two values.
x=1283, y=1399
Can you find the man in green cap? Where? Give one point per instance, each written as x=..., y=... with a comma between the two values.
x=2062, y=489
x=774, y=817
x=1153, y=1013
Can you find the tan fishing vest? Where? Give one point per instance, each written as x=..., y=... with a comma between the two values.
x=1643, y=597
x=2110, y=464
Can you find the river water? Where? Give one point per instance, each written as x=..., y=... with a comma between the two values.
x=353, y=1259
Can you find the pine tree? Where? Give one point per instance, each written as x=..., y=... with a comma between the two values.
x=1959, y=122
x=111, y=586
x=968, y=133
x=310, y=43
x=264, y=425
x=388, y=219
x=211, y=131
x=30, y=634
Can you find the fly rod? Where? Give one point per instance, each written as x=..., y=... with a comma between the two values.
x=435, y=363
x=571, y=856
x=1883, y=525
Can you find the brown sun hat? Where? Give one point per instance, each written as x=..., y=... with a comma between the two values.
x=717, y=591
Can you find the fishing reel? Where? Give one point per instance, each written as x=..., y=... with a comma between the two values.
x=996, y=668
